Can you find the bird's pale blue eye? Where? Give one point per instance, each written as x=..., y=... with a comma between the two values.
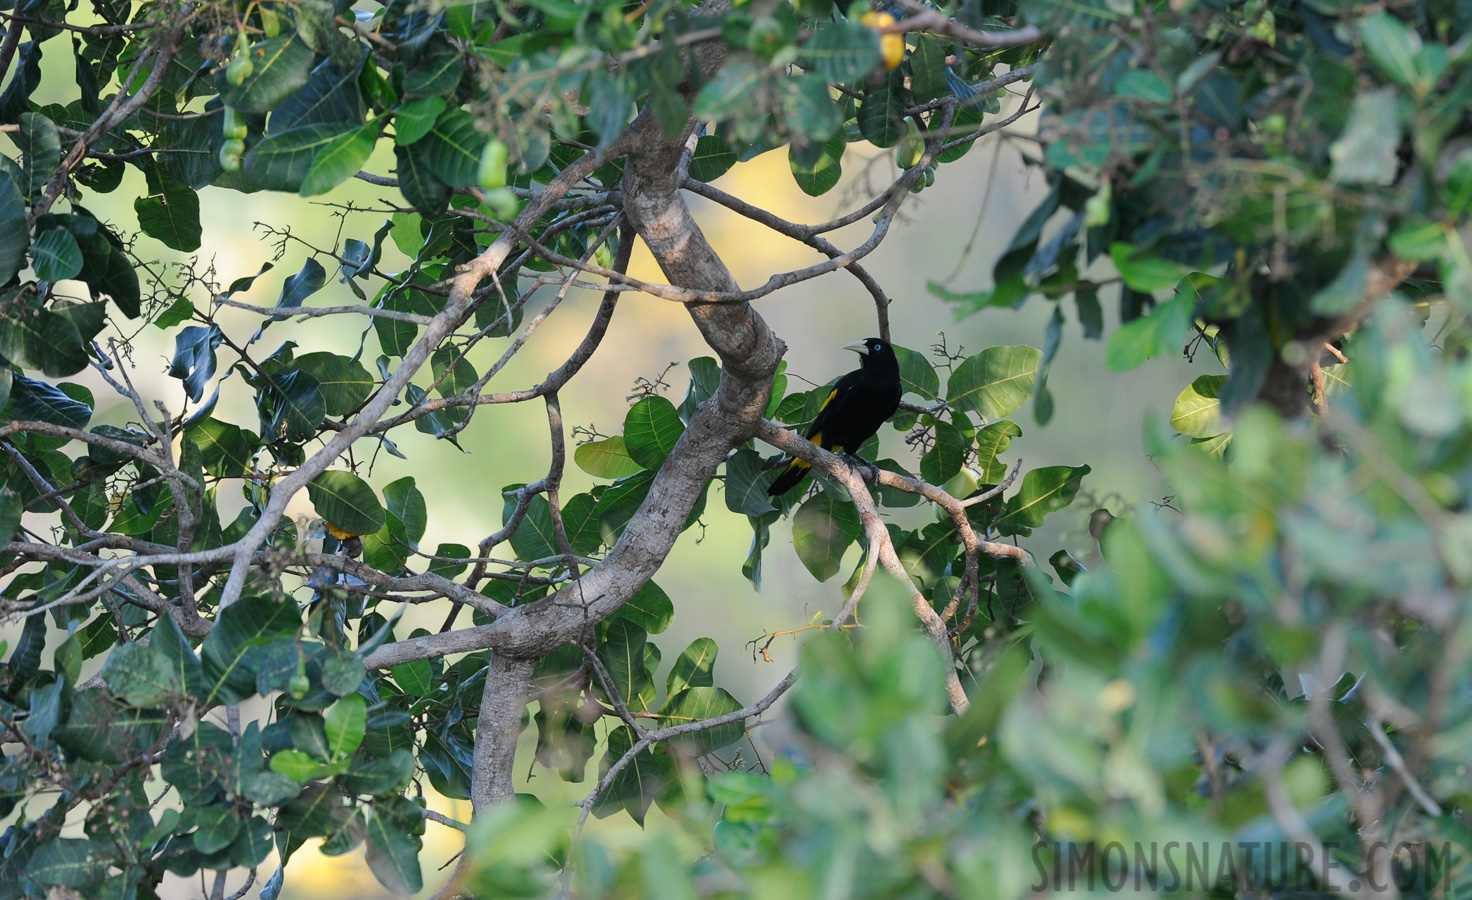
x=876, y=346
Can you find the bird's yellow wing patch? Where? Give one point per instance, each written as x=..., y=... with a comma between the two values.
x=831, y=394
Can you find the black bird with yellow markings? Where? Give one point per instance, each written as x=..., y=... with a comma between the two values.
x=857, y=405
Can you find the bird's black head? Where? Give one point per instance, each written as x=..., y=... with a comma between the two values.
x=875, y=354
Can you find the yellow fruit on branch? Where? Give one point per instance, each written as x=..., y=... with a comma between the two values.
x=891, y=46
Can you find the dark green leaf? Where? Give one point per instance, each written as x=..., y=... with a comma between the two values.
x=650, y=608
x=841, y=52
x=622, y=653
x=55, y=254
x=452, y=149
x=339, y=159
x=281, y=162
x=281, y=66
x=822, y=530
x=820, y=177
x=945, y=457
x=713, y=157
x=695, y=704
x=346, y=501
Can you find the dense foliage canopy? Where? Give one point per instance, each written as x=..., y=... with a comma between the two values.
x=1279, y=655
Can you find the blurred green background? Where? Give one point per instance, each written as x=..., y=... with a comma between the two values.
x=951, y=233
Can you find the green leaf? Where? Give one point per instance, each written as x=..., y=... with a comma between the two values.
x=297, y=765
x=346, y=501
x=281, y=162
x=14, y=234
x=1147, y=274
x=747, y=480
x=650, y=608
x=141, y=675
x=227, y=450
x=55, y=254
x=622, y=653
x=32, y=333
x=281, y=65
x=1162, y=331
x=346, y=721
x=12, y=506
x=882, y=112
x=249, y=623
x=928, y=69
x=580, y=520
x=807, y=107
x=995, y=382
x=917, y=374
x=415, y=118
x=169, y=213
x=217, y=826
x=436, y=74
x=1421, y=242
x=651, y=429
x=618, y=503
x=713, y=157
x=822, y=530
x=344, y=382
x=637, y=785
x=841, y=52
x=695, y=667
x=40, y=147
x=733, y=90
x=63, y=862
x=418, y=184
x=1394, y=49
x=991, y=442
x=340, y=159
x=535, y=537
x=1143, y=84
x=945, y=456
x=695, y=704
x=416, y=678
x=1043, y=491
x=1198, y=409
x=823, y=174
x=392, y=545
x=452, y=149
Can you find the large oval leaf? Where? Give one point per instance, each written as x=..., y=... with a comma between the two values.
x=650, y=431
x=696, y=703
x=1198, y=408
x=996, y=381
x=821, y=531
x=452, y=149
x=281, y=161
x=340, y=159
x=346, y=501
x=280, y=67
x=606, y=459
x=344, y=383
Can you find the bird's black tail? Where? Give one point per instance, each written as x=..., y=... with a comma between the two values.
x=795, y=472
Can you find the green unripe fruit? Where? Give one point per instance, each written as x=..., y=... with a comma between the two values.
x=230, y=153
x=910, y=147
x=240, y=68
x=493, y=165
x=234, y=125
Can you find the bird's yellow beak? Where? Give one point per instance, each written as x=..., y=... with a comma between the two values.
x=859, y=347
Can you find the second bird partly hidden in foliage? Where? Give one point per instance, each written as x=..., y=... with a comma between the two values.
x=857, y=405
